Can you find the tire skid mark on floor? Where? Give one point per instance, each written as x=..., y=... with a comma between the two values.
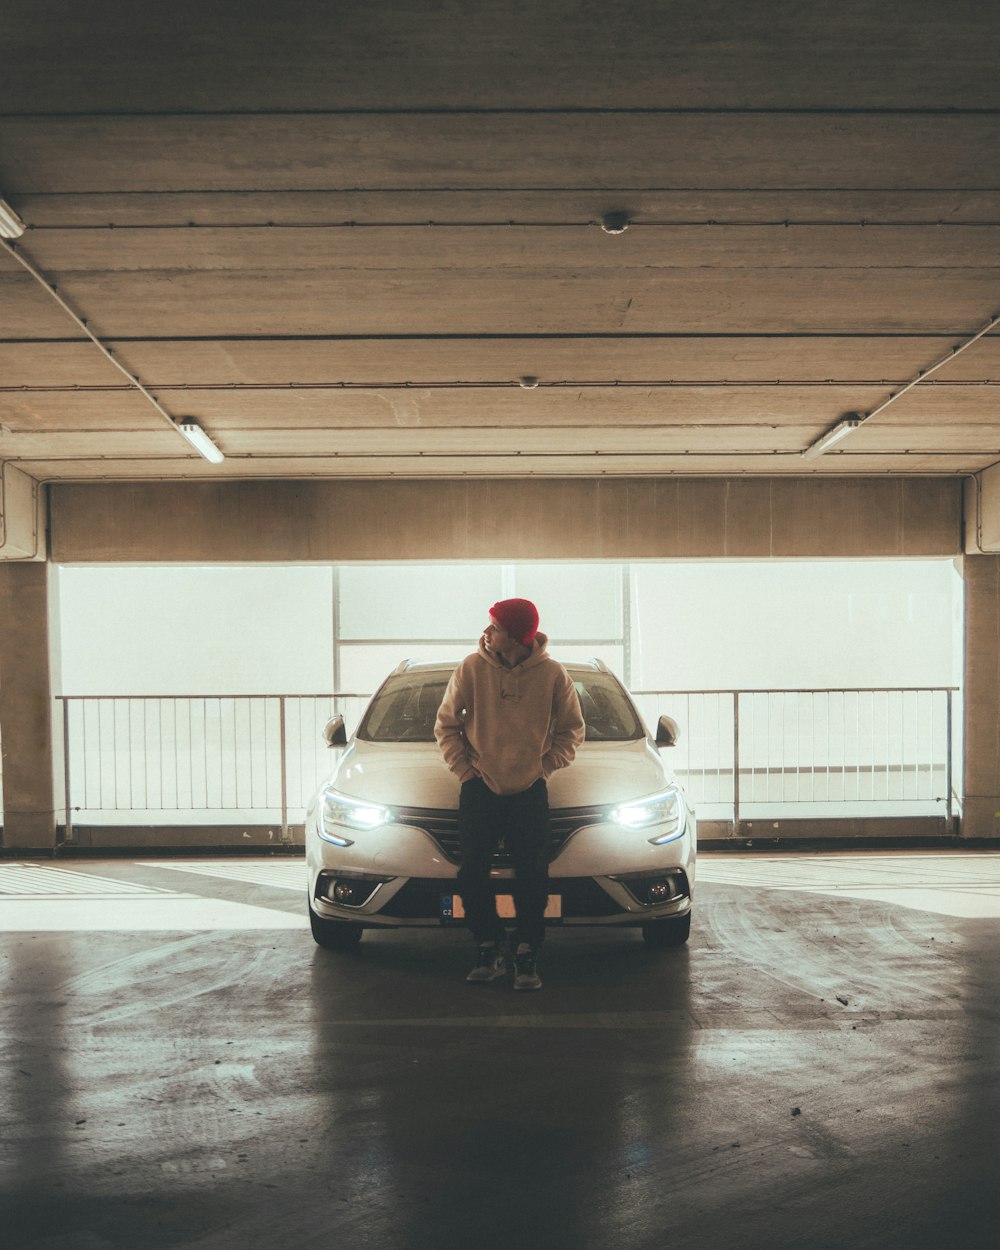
x=167, y=977
x=824, y=961
x=83, y=982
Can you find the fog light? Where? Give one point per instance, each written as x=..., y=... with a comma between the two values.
x=354, y=892
x=650, y=891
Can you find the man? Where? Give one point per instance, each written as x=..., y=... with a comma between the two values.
x=510, y=718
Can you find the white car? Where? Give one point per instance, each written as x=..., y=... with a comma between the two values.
x=382, y=842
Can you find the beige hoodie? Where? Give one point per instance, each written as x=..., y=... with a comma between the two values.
x=509, y=726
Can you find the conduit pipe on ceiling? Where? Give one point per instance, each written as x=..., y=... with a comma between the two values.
x=924, y=374
x=135, y=381
x=854, y=421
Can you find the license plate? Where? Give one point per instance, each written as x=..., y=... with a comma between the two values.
x=452, y=909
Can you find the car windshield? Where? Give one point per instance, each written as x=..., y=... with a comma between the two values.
x=405, y=708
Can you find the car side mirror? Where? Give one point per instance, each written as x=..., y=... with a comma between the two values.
x=667, y=732
x=335, y=732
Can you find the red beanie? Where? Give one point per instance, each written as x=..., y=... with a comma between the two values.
x=517, y=617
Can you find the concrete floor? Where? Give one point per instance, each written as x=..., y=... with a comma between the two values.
x=183, y=1068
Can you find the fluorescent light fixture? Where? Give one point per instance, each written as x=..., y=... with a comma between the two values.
x=11, y=226
x=199, y=440
x=833, y=436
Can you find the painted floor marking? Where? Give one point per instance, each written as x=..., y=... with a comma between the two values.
x=966, y=886
x=39, y=881
x=156, y=914
x=37, y=898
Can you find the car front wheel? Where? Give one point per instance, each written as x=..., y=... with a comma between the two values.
x=672, y=932
x=335, y=935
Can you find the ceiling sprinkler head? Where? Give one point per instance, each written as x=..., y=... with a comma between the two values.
x=527, y=383
x=615, y=223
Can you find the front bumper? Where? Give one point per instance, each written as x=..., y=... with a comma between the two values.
x=401, y=876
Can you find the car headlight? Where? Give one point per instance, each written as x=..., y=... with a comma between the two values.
x=340, y=811
x=666, y=807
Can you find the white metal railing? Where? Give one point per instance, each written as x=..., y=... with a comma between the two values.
x=210, y=759
x=206, y=758
x=859, y=752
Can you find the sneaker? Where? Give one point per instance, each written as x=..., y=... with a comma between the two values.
x=491, y=962
x=525, y=968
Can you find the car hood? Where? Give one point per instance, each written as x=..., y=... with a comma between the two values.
x=413, y=774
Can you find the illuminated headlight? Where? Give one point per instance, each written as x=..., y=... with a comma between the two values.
x=666, y=807
x=339, y=812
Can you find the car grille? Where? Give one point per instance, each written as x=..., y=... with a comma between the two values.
x=442, y=825
x=420, y=898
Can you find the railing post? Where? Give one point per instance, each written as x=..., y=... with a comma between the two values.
x=949, y=779
x=68, y=829
x=284, y=772
x=736, y=763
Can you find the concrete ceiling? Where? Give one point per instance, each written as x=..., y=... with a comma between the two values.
x=338, y=234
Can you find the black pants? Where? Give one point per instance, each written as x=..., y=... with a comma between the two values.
x=522, y=822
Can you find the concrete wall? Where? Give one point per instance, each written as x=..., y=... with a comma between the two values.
x=26, y=708
x=982, y=697
x=281, y=521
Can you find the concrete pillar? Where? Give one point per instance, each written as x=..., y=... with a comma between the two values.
x=981, y=817
x=26, y=722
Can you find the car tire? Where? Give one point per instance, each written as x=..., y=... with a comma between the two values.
x=663, y=933
x=335, y=935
